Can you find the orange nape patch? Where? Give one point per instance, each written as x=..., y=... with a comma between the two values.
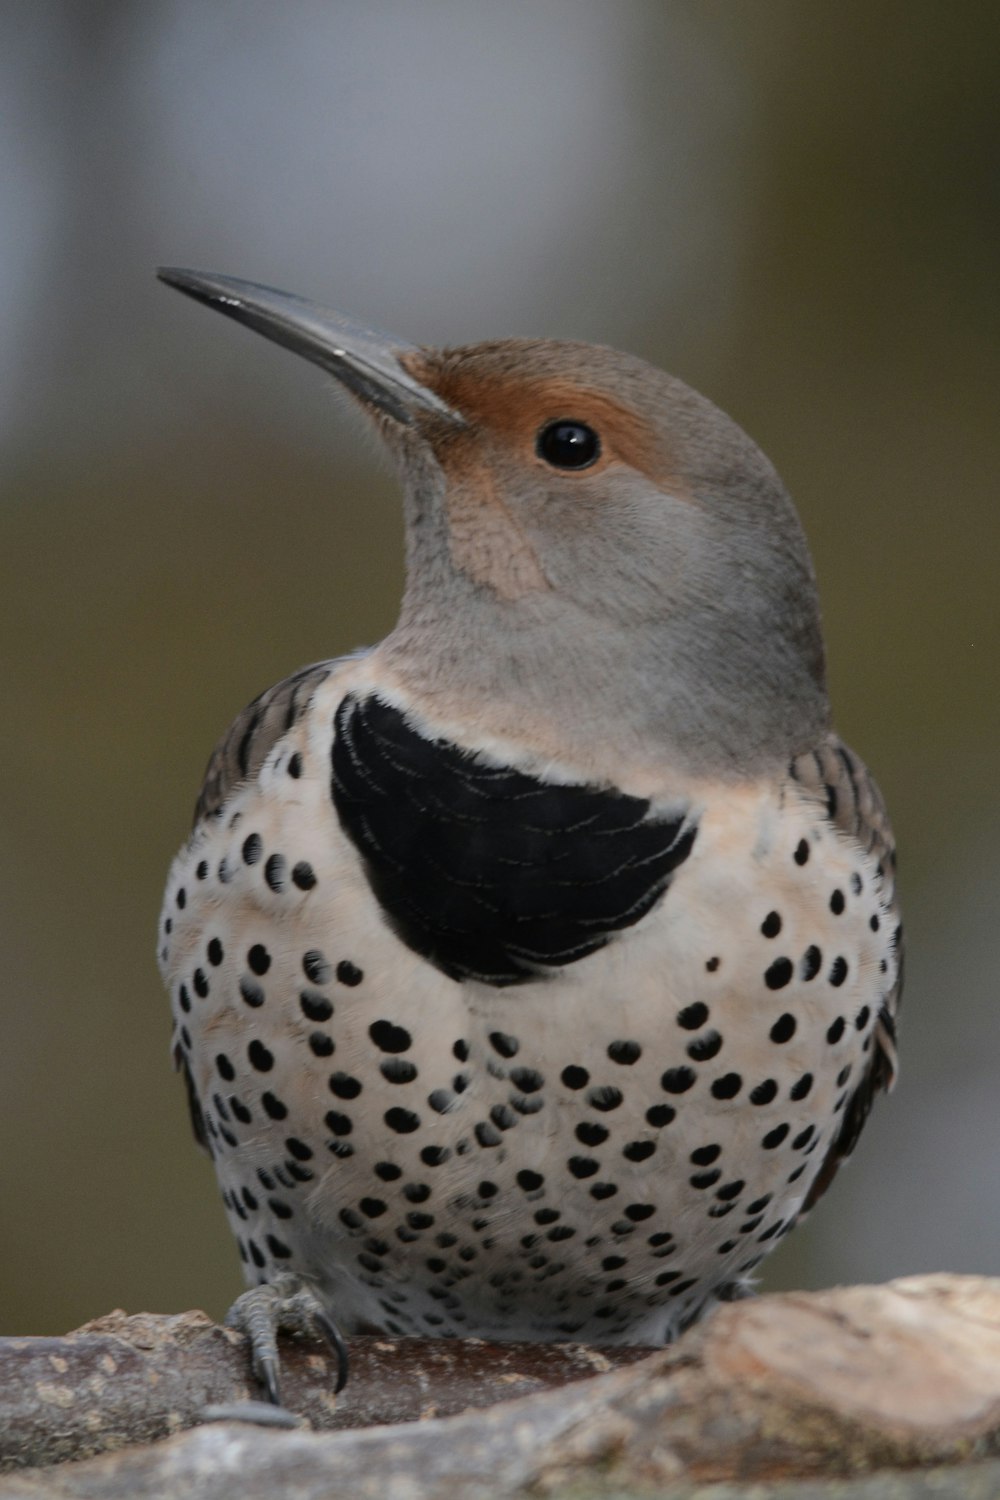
x=514, y=407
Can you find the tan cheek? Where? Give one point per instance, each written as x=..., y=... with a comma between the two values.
x=485, y=540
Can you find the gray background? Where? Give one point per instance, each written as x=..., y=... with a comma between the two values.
x=791, y=205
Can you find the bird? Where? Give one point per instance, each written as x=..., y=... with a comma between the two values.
x=533, y=971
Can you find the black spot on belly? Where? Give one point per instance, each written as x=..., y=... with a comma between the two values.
x=507, y=1046
x=487, y=872
x=659, y=1115
x=582, y=1166
x=801, y=1088
x=605, y=1098
x=812, y=961
x=251, y=992
x=727, y=1087
x=677, y=1080
x=838, y=971
x=315, y=1005
x=778, y=974
x=259, y=959
x=704, y=1048
x=389, y=1037
x=315, y=967
x=344, y=1086
x=397, y=1070
x=253, y=848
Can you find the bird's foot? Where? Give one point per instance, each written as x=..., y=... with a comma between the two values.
x=284, y=1305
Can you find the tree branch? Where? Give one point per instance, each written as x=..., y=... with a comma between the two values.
x=841, y=1383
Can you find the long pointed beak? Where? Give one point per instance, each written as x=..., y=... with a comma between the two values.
x=364, y=360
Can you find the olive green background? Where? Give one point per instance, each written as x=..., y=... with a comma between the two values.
x=791, y=204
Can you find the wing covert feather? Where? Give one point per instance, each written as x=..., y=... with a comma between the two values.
x=244, y=747
x=854, y=805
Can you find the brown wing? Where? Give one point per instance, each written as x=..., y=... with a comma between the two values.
x=854, y=805
x=244, y=747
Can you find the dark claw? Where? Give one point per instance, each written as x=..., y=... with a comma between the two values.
x=336, y=1340
x=289, y=1306
x=268, y=1375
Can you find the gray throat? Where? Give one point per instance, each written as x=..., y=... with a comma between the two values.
x=604, y=698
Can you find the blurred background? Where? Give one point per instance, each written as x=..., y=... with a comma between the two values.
x=794, y=207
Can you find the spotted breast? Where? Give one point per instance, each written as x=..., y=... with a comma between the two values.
x=520, y=1145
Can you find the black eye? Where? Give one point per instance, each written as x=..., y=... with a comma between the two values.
x=568, y=445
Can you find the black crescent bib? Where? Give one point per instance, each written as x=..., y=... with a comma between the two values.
x=485, y=871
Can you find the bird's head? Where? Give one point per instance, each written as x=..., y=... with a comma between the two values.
x=600, y=563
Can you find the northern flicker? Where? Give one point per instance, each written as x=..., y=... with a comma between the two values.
x=533, y=971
